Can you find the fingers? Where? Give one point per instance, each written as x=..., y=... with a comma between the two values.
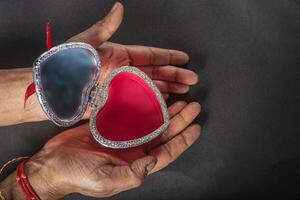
x=143, y=166
x=127, y=177
x=170, y=151
x=102, y=30
x=171, y=73
x=169, y=87
x=182, y=115
x=176, y=108
x=180, y=121
x=143, y=55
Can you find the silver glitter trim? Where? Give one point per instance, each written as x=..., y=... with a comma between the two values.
x=39, y=89
x=104, y=94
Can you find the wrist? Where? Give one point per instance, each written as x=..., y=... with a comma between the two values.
x=46, y=185
x=13, y=84
x=32, y=110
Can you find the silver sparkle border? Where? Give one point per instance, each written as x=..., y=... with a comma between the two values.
x=40, y=91
x=102, y=100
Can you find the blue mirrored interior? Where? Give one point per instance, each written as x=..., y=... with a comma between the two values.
x=65, y=77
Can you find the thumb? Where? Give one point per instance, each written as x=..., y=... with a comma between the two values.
x=127, y=177
x=103, y=29
x=143, y=166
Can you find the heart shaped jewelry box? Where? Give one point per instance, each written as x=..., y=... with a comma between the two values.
x=127, y=110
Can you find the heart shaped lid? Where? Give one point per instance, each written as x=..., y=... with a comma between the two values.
x=64, y=77
x=129, y=111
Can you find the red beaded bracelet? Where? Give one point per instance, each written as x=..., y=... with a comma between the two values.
x=24, y=182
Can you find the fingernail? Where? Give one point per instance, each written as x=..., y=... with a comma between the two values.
x=149, y=167
x=194, y=78
x=116, y=5
x=195, y=104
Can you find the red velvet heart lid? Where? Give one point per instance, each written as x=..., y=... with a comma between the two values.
x=132, y=111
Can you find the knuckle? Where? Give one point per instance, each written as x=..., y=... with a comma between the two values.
x=170, y=55
x=97, y=26
x=152, y=57
x=101, y=29
x=166, y=136
x=155, y=72
x=182, y=118
x=168, y=151
x=185, y=140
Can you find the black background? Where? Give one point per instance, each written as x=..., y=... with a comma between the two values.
x=247, y=56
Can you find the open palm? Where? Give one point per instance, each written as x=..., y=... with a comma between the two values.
x=76, y=163
x=159, y=64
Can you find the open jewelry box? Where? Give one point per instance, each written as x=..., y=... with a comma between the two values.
x=127, y=110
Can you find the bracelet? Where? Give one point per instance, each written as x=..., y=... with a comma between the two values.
x=14, y=160
x=23, y=182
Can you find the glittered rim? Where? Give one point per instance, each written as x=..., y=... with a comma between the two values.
x=40, y=91
x=102, y=100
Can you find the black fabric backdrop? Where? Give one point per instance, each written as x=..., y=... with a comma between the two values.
x=247, y=55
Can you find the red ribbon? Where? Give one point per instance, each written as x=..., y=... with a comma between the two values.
x=29, y=91
x=49, y=43
x=23, y=182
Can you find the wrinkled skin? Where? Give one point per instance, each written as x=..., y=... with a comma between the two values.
x=74, y=162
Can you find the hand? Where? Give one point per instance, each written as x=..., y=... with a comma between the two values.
x=159, y=64
x=72, y=162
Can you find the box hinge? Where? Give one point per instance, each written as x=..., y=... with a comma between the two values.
x=95, y=95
